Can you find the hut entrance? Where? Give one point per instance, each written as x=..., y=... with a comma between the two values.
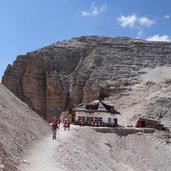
x=143, y=124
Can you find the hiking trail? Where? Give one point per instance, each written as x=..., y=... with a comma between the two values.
x=42, y=154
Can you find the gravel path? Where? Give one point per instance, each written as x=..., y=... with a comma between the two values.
x=42, y=155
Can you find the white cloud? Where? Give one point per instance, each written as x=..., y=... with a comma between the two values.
x=167, y=17
x=127, y=20
x=141, y=32
x=133, y=20
x=94, y=10
x=157, y=37
x=144, y=21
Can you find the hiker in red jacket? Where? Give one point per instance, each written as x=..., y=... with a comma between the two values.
x=54, y=129
x=68, y=124
x=65, y=125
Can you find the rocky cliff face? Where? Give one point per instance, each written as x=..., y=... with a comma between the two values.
x=83, y=69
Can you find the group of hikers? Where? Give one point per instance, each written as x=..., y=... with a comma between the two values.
x=56, y=126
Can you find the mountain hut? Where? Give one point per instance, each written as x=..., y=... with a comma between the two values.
x=147, y=123
x=96, y=113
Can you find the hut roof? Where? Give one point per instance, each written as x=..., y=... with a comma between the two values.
x=148, y=119
x=96, y=106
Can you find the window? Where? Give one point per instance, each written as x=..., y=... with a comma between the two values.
x=87, y=119
x=100, y=119
x=109, y=119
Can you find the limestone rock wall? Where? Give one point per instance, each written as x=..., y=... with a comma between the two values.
x=82, y=69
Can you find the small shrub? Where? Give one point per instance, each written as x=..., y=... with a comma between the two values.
x=167, y=81
x=150, y=83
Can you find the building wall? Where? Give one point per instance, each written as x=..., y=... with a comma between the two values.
x=149, y=124
x=146, y=124
x=105, y=116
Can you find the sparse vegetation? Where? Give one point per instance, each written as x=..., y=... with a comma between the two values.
x=150, y=83
x=167, y=81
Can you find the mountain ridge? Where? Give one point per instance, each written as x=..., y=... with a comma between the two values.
x=81, y=70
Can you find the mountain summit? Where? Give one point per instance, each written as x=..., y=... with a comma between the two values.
x=119, y=70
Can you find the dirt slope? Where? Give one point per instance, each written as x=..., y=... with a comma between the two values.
x=84, y=149
x=151, y=97
x=19, y=126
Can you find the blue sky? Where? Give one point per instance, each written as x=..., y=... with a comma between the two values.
x=27, y=25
